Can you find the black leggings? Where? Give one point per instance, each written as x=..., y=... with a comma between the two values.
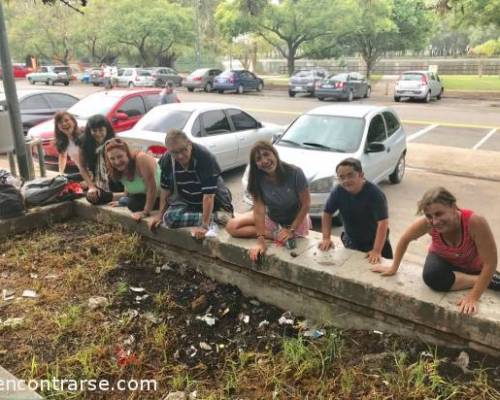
x=350, y=244
x=137, y=202
x=439, y=275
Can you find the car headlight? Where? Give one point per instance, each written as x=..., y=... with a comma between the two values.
x=323, y=185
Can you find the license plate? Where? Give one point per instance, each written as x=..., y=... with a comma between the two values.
x=327, y=86
x=299, y=88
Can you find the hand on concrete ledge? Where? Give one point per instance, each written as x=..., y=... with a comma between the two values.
x=384, y=270
x=373, y=256
x=257, y=251
x=468, y=305
x=199, y=232
x=326, y=244
x=155, y=222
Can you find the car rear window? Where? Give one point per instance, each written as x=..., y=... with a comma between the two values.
x=62, y=69
x=411, y=77
x=328, y=132
x=144, y=73
x=303, y=74
x=164, y=120
x=226, y=74
x=198, y=72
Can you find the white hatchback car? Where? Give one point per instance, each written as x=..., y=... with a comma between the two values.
x=226, y=130
x=319, y=139
x=420, y=85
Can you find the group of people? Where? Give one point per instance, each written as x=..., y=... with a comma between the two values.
x=187, y=188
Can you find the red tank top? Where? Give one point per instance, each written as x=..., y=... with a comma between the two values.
x=465, y=255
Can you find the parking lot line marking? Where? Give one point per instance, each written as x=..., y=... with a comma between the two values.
x=448, y=124
x=484, y=139
x=420, y=133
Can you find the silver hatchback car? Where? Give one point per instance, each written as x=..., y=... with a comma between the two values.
x=319, y=139
x=420, y=85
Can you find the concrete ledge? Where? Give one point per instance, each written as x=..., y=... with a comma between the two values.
x=335, y=287
x=9, y=382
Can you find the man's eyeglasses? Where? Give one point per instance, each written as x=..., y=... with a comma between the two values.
x=178, y=152
x=348, y=176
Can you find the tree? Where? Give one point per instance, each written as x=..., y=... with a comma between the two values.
x=387, y=25
x=471, y=12
x=293, y=27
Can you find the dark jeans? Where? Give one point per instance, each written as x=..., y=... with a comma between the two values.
x=104, y=197
x=137, y=202
x=350, y=244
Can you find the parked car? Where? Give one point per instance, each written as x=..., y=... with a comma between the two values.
x=226, y=130
x=420, y=85
x=238, y=81
x=345, y=86
x=123, y=108
x=131, y=77
x=97, y=76
x=202, y=78
x=305, y=81
x=164, y=74
x=38, y=105
x=19, y=70
x=319, y=139
x=51, y=74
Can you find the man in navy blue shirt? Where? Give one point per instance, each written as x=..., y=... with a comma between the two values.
x=363, y=208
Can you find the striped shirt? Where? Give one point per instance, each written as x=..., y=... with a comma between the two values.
x=201, y=177
x=465, y=255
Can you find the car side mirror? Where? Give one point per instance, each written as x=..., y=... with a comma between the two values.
x=120, y=116
x=259, y=124
x=375, y=147
x=276, y=137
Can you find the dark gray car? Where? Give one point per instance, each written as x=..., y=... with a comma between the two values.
x=346, y=86
x=164, y=74
x=39, y=105
x=202, y=78
x=305, y=81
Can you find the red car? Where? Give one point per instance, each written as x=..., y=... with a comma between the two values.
x=20, y=70
x=123, y=108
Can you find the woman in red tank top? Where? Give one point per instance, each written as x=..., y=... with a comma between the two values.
x=462, y=254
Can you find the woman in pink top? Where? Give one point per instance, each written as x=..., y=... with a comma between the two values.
x=462, y=254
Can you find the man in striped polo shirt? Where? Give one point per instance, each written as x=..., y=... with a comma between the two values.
x=193, y=191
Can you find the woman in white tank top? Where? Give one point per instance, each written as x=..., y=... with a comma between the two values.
x=67, y=139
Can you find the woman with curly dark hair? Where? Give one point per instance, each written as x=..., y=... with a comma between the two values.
x=281, y=201
x=67, y=138
x=93, y=163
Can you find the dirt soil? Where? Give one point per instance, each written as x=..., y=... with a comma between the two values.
x=159, y=319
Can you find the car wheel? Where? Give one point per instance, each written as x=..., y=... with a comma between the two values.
x=190, y=89
x=260, y=86
x=239, y=90
x=47, y=82
x=291, y=94
x=368, y=92
x=208, y=87
x=220, y=91
x=31, y=81
x=66, y=83
x=399, y=171
x=95, y=84
x=321, y=98
x=397, y=99
x=440, y=94
x=427, y=98
x=350, y=96
x=131, y=84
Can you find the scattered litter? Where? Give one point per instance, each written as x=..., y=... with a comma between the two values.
x=208, y=319
x=314, y=333
x=166, y=267
x=8, y=294
x=192, y=351
x=158, y=270
x=244, y=318
x=263, y=323
x=125, y=357
x=303, y=325
x=193, y=395
x=33, y=276
x=13, y=322
x=426, y=354
x=294, y=254
x=205, y=346
x=137, y=289
x=175, y=396
x=31, y=294
x=131, y=314
x=462, y=362
x=286, y=319
x=129, y=341
x=225, y=311
x=378, y=332
x=51, y=276
x=97, y=301
x=138, y=299
x=151, y=317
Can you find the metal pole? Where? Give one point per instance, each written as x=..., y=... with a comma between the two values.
x=9, y=86
x=198, y=47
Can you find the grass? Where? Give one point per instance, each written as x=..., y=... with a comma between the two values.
x=61, y=337
x=471, y=82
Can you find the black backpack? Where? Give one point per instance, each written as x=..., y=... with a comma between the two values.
x=11, y=201
x=43, y=191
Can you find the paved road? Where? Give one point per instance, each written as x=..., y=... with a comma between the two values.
x=471, y=126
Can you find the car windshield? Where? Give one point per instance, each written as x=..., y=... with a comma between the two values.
x=144, y=73
x=325, y=132
x=338, y=77
x=163, y=121
x=61, y=69
x=198, y=72
x=303, y=74
x=411, y=77
x=96, y=103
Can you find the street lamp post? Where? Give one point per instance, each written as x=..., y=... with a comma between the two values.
x=12, y=101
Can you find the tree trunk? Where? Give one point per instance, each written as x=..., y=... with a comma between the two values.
x=290, y=63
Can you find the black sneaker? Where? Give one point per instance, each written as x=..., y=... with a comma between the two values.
x=495, y=282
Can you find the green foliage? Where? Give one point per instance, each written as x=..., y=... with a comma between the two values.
x=488, y=49
x=473, y=12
